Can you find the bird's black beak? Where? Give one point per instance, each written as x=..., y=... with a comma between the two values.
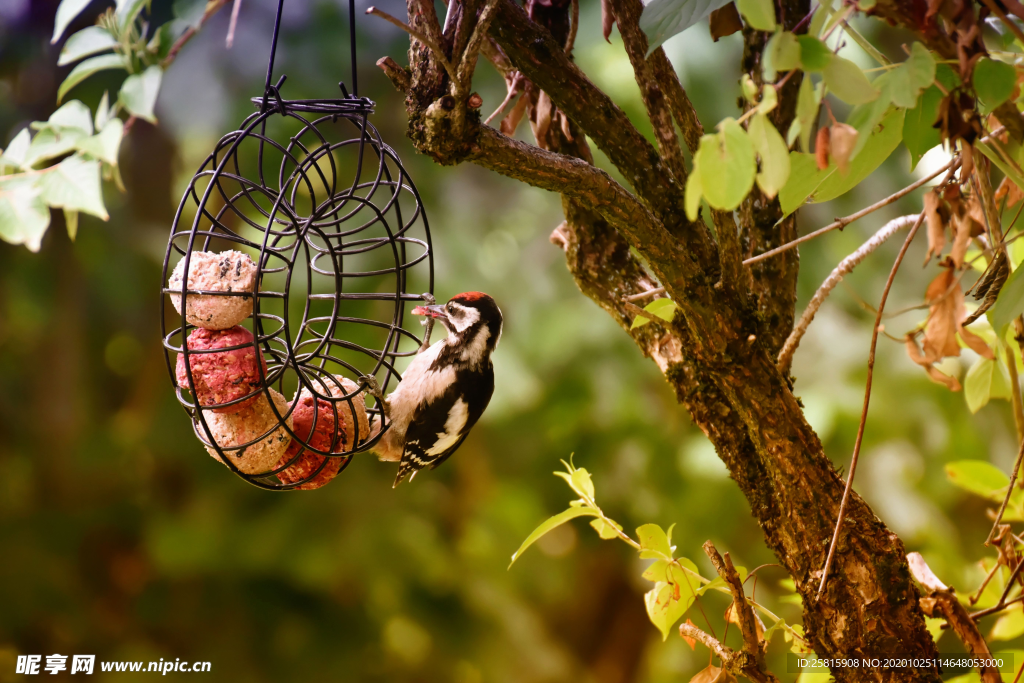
x=436, y=311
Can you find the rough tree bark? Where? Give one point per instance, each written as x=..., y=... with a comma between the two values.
x=719, y=353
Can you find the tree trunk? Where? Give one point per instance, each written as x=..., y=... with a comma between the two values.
x=719, y=353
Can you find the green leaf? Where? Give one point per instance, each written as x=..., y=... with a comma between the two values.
x=979, y=477
x=660, y=308
x=727, y=166
x=760, y=14
x=88, y=68
x=664, y=608
x=88, y=41
x=105, y=144
x=807, y=101
x=693, y=191
x=1009, y=626
x=814, y=54
x=66, y=13
x=984, y=381
x=139, y=92
x=807, y=183
x=17, y=152
x=50, y=143
x=847, y=82
x=24, y=216
x=73, y=116
x=662, y=19
x=74, y=184
x=774, y=155
x=552, y=523
x=657, y=571
x=993, y=81
x=103, y=111
x=654, y=542
x=918, y=133
x=1010, y=302
x=606, y=529
x=818, y=20
x=782, y=53
x=71, y=221
x=669, y=599
x=128, y=10
x=912, y=76
x=769, y=99
x=582, y=483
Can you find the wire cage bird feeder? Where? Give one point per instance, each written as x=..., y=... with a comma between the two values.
x=291, y=261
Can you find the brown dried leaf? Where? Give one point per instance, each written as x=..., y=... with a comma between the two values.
x=915, y=355
x=712, y=674
x=541, y=122
x=951, y=383
x=1010, y=191
x=566, y=129
x=936, y=228
x=725, y=21
x=607, y=19
x=692, y=642
x=511, y=121
x=967, y=161
x=821, y=148
x=976, y=214
x=843, y=139
x=962, y=228
x=945, y=298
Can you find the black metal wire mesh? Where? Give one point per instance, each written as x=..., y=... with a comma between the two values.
x=335, y=227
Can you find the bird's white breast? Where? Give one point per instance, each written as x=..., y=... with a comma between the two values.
x=419, y=385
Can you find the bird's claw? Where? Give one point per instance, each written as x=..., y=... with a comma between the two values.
x=373, y=389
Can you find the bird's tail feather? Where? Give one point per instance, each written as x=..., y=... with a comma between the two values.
x=405, y=469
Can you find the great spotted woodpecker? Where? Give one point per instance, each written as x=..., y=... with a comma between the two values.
x=445, y=389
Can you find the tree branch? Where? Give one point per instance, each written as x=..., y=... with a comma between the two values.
x=534, y=51
x=743, y=611
x=627, y=16
x=942, y=602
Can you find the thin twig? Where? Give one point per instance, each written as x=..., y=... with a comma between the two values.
x=844, y=268
x=1016, y=401
x=690, y=631
x=643, y=295
x=211, y=9
x=1009, y=490
x=422, y=37
x=997, y=608
x=867, y=401
x=636, y=310
x=513, y=90
x=230, y=40
x=841, y=223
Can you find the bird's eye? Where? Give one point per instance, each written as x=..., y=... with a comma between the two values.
x=451, y=308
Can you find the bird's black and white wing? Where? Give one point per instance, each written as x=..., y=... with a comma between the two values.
x=458, y=408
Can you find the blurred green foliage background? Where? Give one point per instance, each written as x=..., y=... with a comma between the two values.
x=120, y=537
